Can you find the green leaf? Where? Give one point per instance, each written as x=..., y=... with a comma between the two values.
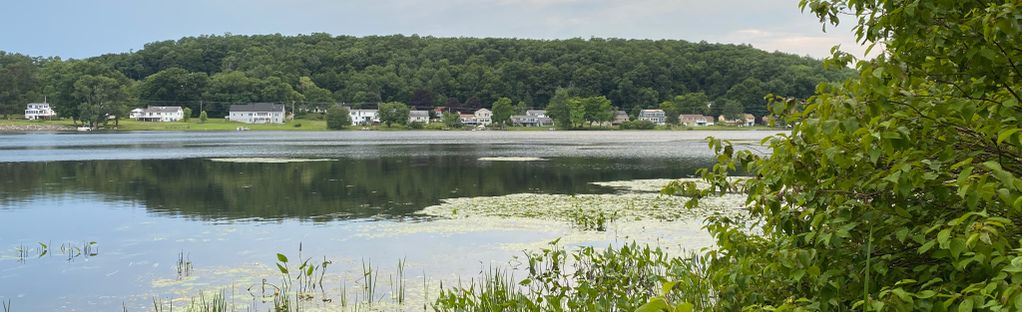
x=654, y=305
x=281, y=258
x=1004, y=135
x=965, y=306
x=685, y=307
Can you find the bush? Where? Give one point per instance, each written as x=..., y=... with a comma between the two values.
x=897, y=190
x=187, y=114
x=337, y=118
x=203, y=117
x=638, y=125
x=452, y=120
x=416, y=125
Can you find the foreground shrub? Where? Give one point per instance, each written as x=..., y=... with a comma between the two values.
x=896, y=191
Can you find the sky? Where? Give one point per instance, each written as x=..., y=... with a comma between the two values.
x=84, y=28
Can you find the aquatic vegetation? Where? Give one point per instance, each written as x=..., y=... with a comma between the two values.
x=643, y=206
x=269, y=160
x=6, y=305
x=638, y=186
x=184, y=265
x=592, y=221
x=586, y=279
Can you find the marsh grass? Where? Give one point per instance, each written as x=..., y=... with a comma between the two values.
x=72, y=250
x=585, y=279
x=6, y=305
x=184, y=265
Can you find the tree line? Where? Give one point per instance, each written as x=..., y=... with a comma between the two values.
x=311, y=72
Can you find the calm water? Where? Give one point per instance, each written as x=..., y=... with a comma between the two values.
x=146, y=197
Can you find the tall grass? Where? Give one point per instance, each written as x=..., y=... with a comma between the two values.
x=586, y=279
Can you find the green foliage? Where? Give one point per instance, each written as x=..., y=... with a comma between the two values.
x=19, y=82
x=693, y=103
x=502, y=111
x=338, y=117
x=672, y=110
x=312, y=72
x=451, y=120
x=394, y=113
x=417, y=125
x=638, y=125
x=203, y=116
x=731, y=109
x=186, y=114
x=173, y=84
x=897, y=190
x=586, y=279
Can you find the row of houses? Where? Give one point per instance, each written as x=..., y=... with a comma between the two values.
x=659, y=117
x=275, y=113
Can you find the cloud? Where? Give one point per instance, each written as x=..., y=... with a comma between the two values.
x=817, y=45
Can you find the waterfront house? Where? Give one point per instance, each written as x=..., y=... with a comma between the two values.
x=484, y=116
x=419, y=116
x=695, y=120
x=364, y=117
x=532, y=118
x=158, y=113
x=620, y=117
x=657, y=116
x=35, y=111
x=257, y=113
x=468, y=119
x=747, y=120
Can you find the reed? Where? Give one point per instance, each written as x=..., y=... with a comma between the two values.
x=184, y=265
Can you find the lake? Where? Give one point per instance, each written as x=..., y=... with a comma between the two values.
x=127, y=218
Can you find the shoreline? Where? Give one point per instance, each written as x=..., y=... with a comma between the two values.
x=62, y=126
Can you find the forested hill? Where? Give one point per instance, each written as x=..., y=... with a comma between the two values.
x=317, y=69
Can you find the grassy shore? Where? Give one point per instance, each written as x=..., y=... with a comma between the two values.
x=294, y=125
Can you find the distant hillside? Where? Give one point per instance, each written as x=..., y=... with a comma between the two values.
x=318, y=69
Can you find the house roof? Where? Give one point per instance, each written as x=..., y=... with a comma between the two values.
x=418, y=113
x=258, y=107
x=535, y=112
x=162, y=109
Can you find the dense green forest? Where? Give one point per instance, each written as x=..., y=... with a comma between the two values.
x=314, y=71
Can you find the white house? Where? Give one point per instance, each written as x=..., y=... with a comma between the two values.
x=158, y=113
x=258, y=113
x=484, y=116
x=695, y=120
x=36, y=111
x=747, y=120
x=532, y=118
x=656, y=116
x=364, y=116
x=468, y=119
x=419, y=116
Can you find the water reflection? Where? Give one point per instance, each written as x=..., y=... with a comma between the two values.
x=383, y=187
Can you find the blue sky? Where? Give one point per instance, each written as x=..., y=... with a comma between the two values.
x=83, y=28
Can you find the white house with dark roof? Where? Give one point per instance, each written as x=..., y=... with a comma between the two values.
x=484, y=116
x=362, y=117
x=258, y=113
x=36, y=111
x=657, y=116
x=158, y=113
x=419, y=116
